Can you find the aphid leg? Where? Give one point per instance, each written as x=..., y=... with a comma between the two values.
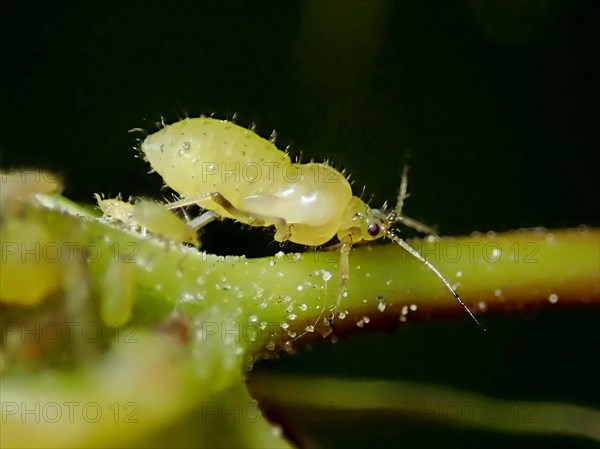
x=346, y=246
x=283, y=229
x=204, y=219
x=189, y=201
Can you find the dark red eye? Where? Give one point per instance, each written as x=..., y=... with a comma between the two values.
x=373, y=229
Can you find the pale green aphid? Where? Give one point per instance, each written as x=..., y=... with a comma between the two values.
x=234, y=173
x=151, y=216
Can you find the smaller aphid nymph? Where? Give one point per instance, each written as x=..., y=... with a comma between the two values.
x=150, y=216
x=233, y=173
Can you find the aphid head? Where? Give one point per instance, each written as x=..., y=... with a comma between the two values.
x=375, y=225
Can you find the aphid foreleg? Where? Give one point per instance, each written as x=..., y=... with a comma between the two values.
x=346, y=246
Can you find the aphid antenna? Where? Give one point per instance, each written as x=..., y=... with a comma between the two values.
x=403, y=192
x=413, y=252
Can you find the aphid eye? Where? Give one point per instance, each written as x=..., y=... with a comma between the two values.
x=373, y=229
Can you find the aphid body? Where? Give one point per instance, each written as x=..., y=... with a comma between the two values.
x=234, y=173
x=256, y=183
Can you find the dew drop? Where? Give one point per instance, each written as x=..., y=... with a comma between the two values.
x=253, y=318
x=326, y=276
x=553, y=298
x=284, y=325
x=342, y=315
x=309, y=328
x=271, y=345
x=303, y=307
x=482, y=306
x=459, y=274
x=292, y=316
x=381, y=306
x=413, y=307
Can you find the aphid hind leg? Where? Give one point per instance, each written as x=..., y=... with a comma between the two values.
x=283, y=231
x=283, y=228
x=204, y=219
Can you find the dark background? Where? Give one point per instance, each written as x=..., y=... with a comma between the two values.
x=494, y=105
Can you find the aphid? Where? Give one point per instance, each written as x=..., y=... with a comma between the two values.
x=151, y=216
x=234, y=173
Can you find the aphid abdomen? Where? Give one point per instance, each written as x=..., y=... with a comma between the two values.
x=203, y=155
x=311, y=202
